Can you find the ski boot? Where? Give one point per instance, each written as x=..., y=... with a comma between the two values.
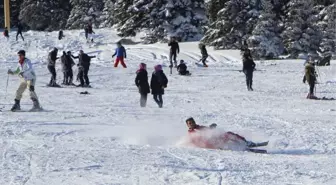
x=250, y=144
x=36, y=106
x=16, y=106
x=204, y=65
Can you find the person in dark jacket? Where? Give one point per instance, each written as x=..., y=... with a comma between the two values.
x=52, y=57
x=141, y=81
x=182, y=68
x=83, y=68
x=204, y=54
x=64, y=69
x=174, y=50
x=310, y=77
x=69, y=73
x=159, y=81
x=5, y=33
x=19, y=31
x=89, y=32
x=60, y=35
x=248, y=67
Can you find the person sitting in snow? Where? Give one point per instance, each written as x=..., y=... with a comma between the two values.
x=182, y=68
x=227, y=136
x=310, y=77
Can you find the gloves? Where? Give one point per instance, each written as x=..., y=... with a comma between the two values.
x=21, y=74
x=10, y=72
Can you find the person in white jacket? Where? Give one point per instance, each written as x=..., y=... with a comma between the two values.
x=28, y=78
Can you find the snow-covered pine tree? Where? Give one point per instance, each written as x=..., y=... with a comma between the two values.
x=122, y=13
x=301, y=34
x=83, y=12
x=229, y=29
x=213, y=7
x=328, y=27
x=107, y=17
x=265, y=39
x=184, y=19
x=44, y=15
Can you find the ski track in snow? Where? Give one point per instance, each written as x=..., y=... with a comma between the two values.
x=105, y=138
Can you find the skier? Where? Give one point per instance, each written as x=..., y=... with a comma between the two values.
x=141, y=81
x=89, y=32
x=19, y=31
x=310, y=76
x=83, y=68
x=227, y=136
x=120, y=52
x=52, y=57
x=60, y=35
x=5, y=33
x=174, y=50
x=182, y=68
x=204, y=54
x=28, y=79
x=159, y=81
x=248, y=67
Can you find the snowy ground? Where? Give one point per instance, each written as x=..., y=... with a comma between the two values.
x=105, y=138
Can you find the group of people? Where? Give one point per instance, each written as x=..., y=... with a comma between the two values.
x=18, y=33
x=157, y=85
x=67, y=62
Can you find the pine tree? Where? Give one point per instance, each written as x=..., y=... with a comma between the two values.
x=107, y=17
x=265, y=39
x=83, y=12
x=43, y=15
x=122, y=13
x=229, y=29
x=301, y=34
x=328, y=27
x=213, y=7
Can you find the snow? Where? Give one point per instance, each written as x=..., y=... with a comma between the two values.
x=106, y=138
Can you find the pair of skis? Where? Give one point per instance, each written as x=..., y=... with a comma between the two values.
x=252, y=147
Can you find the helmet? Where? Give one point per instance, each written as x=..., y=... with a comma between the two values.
x=22, y=52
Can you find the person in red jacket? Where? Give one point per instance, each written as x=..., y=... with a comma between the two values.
x=223, y=138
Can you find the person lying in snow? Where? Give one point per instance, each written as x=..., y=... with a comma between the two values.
x=221, y=139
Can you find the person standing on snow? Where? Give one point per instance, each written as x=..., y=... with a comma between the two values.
x=52, y=57
x=158, y=83
x=89, y=32
x=69, y=63
x=83, y=68
x=204, y=53
x=28, y=79
x=182, y=68
x=5, y=33
x=60, y=35
x=19, y=31
x=141, y=81
x=310, y=77
x=248, y=67
x=120, y=52
x=174, y=50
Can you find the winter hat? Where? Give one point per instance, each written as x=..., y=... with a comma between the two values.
x=22, y=52
x=142, y=66
x=158, y=67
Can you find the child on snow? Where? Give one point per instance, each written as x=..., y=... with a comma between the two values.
x=28, y=79
x=5, y=33
x=141, y=81
x=310, y=77
x=159, y=82
x=248, y=67
x=121, y=55
x=182, y=68
x=204, y=54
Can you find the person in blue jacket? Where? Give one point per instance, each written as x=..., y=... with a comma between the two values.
x=121, y=55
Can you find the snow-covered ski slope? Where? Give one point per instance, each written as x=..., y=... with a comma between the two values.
x=105, y=138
